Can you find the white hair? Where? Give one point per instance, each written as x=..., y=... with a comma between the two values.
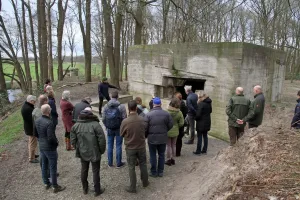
x=31, y=98
x=49, y=88
x=45, y=109
x=66, y=95
x=188, y=88
x=258, y=87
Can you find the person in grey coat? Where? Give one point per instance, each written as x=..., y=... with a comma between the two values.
x=86, y=102
x=159, y=123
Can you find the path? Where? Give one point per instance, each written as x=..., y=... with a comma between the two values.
x=20, y=180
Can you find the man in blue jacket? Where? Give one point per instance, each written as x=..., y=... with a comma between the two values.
x=103, y=92
x=191, y=102
x=159, y=123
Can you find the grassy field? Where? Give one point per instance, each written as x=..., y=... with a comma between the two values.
x=10, y=129
x=96, y=69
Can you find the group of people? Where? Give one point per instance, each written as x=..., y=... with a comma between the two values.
x=163, y=130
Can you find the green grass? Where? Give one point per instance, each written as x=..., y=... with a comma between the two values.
x=96, y=69
x=10, y=129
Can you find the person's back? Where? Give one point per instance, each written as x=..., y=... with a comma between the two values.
x=46, y=134
x=159, y=123
x=258, y=105
x=178, y=121
x=191, y=102
x=238, y=109
x=80, y=107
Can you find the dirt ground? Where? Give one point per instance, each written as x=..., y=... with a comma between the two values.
x=264, y=165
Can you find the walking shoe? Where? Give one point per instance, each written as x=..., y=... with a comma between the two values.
x=47, y=186
x=172, y=161
x=189, y=142
x=34, y=161
x=203, y=152
x=121, y=165
x=152, y=175
x=36, y=156
x=58, y=188
x=96, y=194
x=168, y=162
x=128, y=189
x=197, y=153
x=160, y=174
x=146, y=184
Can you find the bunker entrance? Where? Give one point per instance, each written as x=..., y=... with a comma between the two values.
x=197, y=85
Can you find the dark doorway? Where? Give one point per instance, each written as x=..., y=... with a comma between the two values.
x=197, y=84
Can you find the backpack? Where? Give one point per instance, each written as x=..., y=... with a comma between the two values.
x=113, y=118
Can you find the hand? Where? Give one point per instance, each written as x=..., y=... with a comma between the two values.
x=239, y=121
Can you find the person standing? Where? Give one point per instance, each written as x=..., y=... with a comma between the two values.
x=178, y=122
x=67, y=109
x=103, y=93
x=133, y=130
x=113, y=115
x=159, y=123
x=191, y=102
x=87, y=136
x=296, y=119
x=48, y=148
x=256, y=115
x=26, y=112
x=237, y=111
x=52, y=104
x=86, y=102
x=47, y=83
x=183, y=110
x=141, y=109
x=203, y=123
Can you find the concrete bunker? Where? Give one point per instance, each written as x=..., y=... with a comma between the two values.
x=215, y=68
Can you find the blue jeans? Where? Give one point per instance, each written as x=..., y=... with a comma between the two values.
x=110, y=148
x=199, y=144
x=49, y=160
x=157, y=168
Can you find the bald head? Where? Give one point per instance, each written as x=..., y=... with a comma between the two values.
x=239, y=90
x=257, y=89
x=43, y=99
x=45, y=109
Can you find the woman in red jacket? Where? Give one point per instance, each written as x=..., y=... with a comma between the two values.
x=66, y=109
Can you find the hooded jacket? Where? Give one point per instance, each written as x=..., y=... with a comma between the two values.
x=78, y=108
x=87, y=136
x=178, y=121
x=203, y=120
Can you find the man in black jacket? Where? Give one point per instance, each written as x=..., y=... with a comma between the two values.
x=86, y=102
x=191, y=102
x=26, y=111
x=48, y=148
x=183, y=109
x=103, y=92
x=159, y=123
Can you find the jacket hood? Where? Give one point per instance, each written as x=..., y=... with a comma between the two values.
x=207, y=100
x=173, y=109
x=83, y=118
x=113, y=103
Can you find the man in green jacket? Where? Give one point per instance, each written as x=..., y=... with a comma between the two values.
x=255, y=117
x=87, y=136
x=237, y=109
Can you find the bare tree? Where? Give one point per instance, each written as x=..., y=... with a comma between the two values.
x=71, y=39
x=50, y=4
x=3, y=90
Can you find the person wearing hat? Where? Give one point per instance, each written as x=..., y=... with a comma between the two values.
x=86, y=102
x=26, y=112
x=159, y=123
x=87, y=136
x=103, y=93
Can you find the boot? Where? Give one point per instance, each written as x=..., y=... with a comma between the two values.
x=168, y=162
x=68, y=144
x=172, y=161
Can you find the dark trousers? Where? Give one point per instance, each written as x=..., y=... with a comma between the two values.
x=179, y=141
x=235, y=133
x=201, y=135
x=96, y=174
x=252, y=126
x=132, y=157
x=157, y=167
x=101, y=103
x=191, y=120
x=49, y=162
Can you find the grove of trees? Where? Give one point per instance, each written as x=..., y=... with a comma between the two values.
x=43, y=32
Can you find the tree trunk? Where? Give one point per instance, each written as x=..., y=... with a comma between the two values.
x=114, y=77
x=139, y=23
x=88, y=47
x=104, y=62
x=166, y=6
x=36, y=63
x=50, y=56
x=117, y=50
x=42, y=33
x=3, y=90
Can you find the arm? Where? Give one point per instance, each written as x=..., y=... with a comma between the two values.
x=53, y=109
x=123, y=111
x=190, y=105
x=73, y=137
x=51, y=134
x=229, y=111
x=100, y=137
x=181, y=120
x=111, y=86
x=103, y=116
x=199, y=111
x=123, y=130
x=251, y=112
x=146, y=119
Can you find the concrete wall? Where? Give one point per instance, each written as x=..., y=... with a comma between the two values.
x=153, y=69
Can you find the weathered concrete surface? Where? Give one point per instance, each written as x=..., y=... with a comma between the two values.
x=158, y=69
